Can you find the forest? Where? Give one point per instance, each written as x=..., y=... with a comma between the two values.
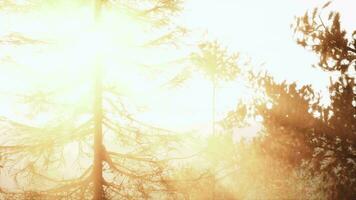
x=177, y=99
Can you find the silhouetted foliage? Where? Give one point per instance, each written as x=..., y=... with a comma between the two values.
x=334, y=156
x=311, y=143
x=305, y=134
x=336, y=48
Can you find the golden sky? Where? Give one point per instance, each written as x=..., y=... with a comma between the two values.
x=259, y=29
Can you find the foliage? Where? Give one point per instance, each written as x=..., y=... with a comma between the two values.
x=305, y=134
x=311, y=145
x=334, y=155
x=215, y=61
x=337, y=49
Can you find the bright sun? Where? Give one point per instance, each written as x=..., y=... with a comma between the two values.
x=65, y=44
x=68, y=43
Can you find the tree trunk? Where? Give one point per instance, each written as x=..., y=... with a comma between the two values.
x=98, y=137
x=98, y=117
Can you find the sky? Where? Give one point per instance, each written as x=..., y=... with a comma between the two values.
x=256, y=28
x=259, y=29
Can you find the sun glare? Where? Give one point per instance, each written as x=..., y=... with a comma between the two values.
x=69, y=43
x=175, y=99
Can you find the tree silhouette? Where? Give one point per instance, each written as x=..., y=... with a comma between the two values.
x=336, y=49
x=311, y=142
x=305, y=135
x=217, y=64
x=116, y=155
x=337, y=135
x=302, y=134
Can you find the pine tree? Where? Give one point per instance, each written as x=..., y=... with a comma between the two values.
x=216, y=63
x=97, y=137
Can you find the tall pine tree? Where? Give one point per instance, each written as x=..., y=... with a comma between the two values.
x=76, y=120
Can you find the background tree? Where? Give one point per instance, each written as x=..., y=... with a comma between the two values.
x=335, y=159
x=315, y=141
x=311, y=145
x=336, y=48
x=216, y=63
